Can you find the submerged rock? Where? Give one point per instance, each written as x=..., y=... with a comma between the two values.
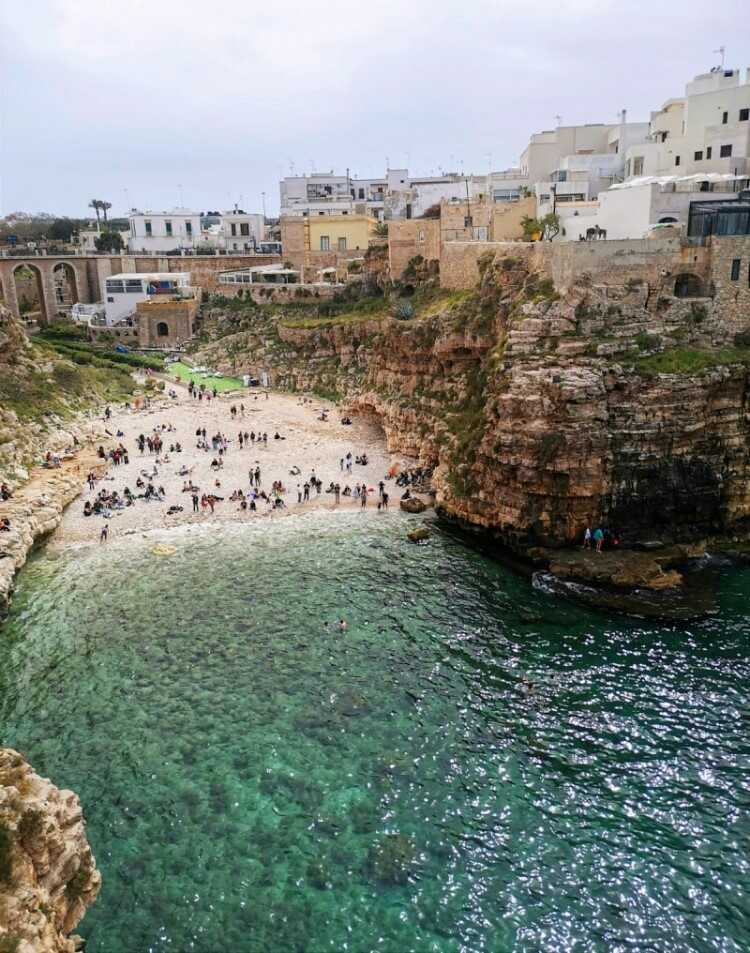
x=419, y=535
x=48, y=875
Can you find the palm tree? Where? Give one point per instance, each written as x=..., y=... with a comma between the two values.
x=104, y=206
x=96, y=204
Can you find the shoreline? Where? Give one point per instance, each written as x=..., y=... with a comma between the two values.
x=43, y=509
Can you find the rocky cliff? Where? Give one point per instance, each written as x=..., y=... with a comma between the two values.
x=541, y=414
x=48, y=876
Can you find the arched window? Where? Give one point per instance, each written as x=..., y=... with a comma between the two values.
x=688, y=286
x=667, y=220
x=162, y=329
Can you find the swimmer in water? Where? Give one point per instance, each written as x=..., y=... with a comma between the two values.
x=342, y=625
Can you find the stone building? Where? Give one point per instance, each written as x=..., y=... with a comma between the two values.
x=166, y=324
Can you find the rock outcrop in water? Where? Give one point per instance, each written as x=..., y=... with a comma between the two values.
x=542, y=413
x=48, y=876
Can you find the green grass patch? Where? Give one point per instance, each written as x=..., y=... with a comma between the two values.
x=690, y=360
x=62, y=389
x=187, y=374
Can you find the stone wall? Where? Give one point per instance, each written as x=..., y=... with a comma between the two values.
x=458, y=260
x=732, y=297
x=279, y=294
x=176, y=318
x=410, y=237
x=656, y=261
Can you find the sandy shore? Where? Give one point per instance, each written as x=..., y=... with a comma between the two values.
x=310, y=444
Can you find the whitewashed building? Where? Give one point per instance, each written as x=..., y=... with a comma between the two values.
x=241, y=231
x=160, y=232
x=705, y=131
x=122, y=292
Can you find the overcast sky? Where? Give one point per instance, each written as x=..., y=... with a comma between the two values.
x=220, y=98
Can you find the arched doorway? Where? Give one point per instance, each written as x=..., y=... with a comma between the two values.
x=65, y=283
x=688, y=286
x=162, y=329
x=27, y=280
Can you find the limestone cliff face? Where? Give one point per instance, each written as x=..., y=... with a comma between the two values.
x=24, y=441
x=543, y=414
x=48, y=876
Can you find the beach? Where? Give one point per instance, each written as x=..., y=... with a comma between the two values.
x=305, y=441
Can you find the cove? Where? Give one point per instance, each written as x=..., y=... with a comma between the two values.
x=473, y=766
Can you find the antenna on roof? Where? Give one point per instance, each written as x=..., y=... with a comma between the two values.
x=722, y=51
x=558, y=119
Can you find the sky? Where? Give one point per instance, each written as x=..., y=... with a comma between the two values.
x=207, y=104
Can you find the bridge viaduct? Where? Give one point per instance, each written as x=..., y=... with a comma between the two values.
x=85, y=275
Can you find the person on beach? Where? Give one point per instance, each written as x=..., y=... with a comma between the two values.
x=363, y=497
x=104, y=535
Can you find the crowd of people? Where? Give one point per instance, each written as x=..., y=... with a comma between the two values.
x=206, y=493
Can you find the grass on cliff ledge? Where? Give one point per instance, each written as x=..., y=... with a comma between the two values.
x=690, y=361
x=425, y=301
x=59, y=387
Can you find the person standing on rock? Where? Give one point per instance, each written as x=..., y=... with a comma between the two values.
x=599, y=539
x=587, y=538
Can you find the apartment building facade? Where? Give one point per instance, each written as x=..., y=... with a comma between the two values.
x=153, y=232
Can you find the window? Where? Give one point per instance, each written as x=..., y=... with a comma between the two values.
x=725, y=151
x=744, y=115
x=111, y=300
x=420, y=238
x=676, y=160
x=325, y=243
x=162, y=329
x=724, y=118
x=148, y=229
x=168, y=228
x=698, y=155
x=133, y=285
x=342, y=244
x=637, y=165
x=709, y=150
x=189, y=229
x=361, y=193
x=244, y=228
x=234, y=228
x=115, y=287
x=735, y=275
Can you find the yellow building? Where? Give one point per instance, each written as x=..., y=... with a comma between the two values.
x=338, y=233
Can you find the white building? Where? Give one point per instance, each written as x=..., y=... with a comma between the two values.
x=705, y=131
x=160, y=232
x=87, y=239
x=241, y=231
x=396, y=195
x=123, y=292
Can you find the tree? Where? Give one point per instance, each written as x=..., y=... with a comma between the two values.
x=95, y=204
x=104, y=206
x=109, y=241
x=544, y=229
x=61, y=229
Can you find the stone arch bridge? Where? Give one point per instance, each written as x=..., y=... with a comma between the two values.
x=85, y=275
x=79, y=274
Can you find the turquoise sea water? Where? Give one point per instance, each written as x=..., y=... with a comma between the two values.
x=472, y=766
